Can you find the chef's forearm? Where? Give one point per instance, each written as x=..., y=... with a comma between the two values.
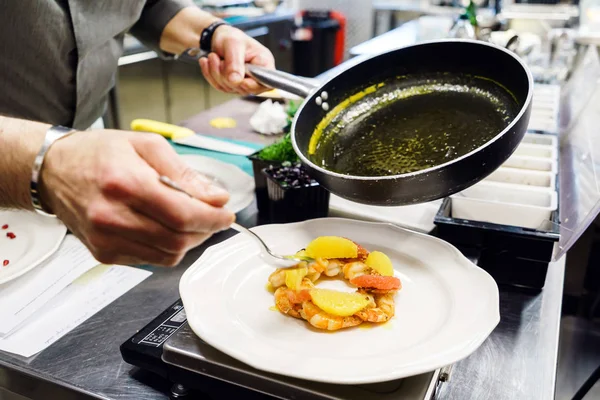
x=183, y=31
x=171, y=26
x=20, y=142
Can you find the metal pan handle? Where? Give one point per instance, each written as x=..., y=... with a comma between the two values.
x=276, y=79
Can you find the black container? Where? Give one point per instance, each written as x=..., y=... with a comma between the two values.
x=293, y=204
x=511, y=255
x=260, y=182
x=317, y=55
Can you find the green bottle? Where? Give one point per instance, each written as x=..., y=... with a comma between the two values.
x=471, y=13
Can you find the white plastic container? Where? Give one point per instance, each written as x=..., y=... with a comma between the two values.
x=523, y=177
x=527, y=207
x=531, y=163
x=538, y=138
x=536, y=150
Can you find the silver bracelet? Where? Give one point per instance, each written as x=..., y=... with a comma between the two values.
x=52, y=135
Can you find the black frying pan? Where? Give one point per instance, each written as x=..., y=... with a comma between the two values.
x=411, y=125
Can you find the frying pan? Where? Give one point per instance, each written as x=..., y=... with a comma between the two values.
x=410, y=125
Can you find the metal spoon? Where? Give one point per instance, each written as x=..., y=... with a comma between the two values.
x=266, y=254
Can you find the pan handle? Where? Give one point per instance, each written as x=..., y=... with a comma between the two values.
x=276, y=79
x=268, y=77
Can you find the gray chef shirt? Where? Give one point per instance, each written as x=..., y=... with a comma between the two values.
x=58, y=58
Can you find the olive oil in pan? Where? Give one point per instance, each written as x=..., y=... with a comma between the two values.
x=404, y=130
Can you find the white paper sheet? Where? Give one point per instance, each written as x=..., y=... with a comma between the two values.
x=22, y=297
x=79, y=301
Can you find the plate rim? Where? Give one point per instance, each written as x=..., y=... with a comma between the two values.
x=59, y=225
x=251, y=187
x=466, y=349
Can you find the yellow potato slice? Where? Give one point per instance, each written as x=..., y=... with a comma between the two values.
x=332, y=247
x=341, y=304
x=293, y=277
x=380, y=263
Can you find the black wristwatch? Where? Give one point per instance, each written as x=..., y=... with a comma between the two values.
x=207, y=35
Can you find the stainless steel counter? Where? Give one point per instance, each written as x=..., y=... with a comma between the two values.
x=518, y=361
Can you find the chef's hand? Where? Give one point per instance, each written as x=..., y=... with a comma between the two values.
x=224, y=68
x=104, y=186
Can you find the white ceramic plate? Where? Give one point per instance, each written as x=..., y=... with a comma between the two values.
x=239, y=184
x=37, y=238
x=448, y=306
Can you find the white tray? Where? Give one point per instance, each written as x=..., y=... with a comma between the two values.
x=538, y=138
x=536, y=150
x=527, y=207
x=531, y=163
x=523, y=177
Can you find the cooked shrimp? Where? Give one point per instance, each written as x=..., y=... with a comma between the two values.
x=377, y=282
x=384, y=309
x=321, y=320
x=360, y=256
x=316, y=268
x=289, y=301
x=355, y=269
x=277, y=278
x=284, y=305
x=362, y=252
x=334, y=267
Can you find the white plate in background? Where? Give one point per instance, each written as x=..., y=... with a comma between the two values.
x=239, y=184
x=37, y=238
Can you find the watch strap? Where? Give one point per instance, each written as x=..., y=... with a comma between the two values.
x=207, y=35
x=52, y=135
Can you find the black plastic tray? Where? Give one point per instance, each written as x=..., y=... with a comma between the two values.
x=511, y=254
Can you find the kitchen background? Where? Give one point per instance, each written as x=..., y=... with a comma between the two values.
x=148, y=87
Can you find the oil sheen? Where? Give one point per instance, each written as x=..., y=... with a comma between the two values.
x=410, y=125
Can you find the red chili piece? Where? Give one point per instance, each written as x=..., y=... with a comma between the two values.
x=5, y=263
x=11, y=235
x=5, y=226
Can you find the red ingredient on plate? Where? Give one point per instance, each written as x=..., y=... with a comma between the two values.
x=11, y=235
x=5, y=226
x=5, y=263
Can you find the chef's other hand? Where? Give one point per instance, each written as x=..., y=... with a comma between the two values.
x=104, y=185
x=224, y=68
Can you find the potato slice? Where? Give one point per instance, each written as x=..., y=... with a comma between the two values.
x=332, y=247
x=341, y=304
x=294, y=276
x=380, y=263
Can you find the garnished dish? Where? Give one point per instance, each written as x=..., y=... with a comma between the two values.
x=371, y=273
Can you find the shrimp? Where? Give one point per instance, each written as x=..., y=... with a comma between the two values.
x=355, y=269
x=360, y=256
x=334, y=267
x=383, y=310
x=277, y=278
x=316, y=268
x=322, y=320
x=377, y=283
x=289, y=301
x=362, y=253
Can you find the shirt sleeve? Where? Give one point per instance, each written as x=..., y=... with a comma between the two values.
x=155, y=16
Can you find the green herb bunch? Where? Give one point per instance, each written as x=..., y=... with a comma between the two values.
x=280, y=151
